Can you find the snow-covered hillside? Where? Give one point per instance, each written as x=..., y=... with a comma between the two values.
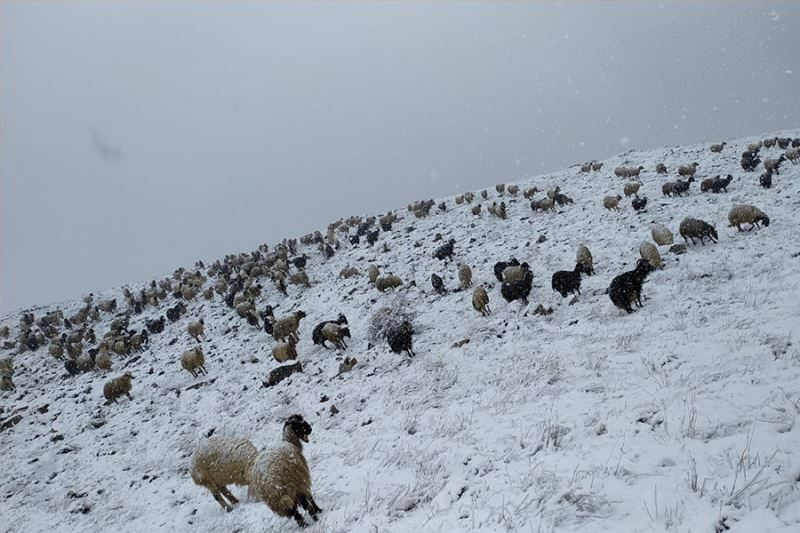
x=679, y=417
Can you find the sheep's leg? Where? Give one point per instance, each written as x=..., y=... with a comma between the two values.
x=298, y=517
x=227, y=493
x=217, y=496
x=128, y=394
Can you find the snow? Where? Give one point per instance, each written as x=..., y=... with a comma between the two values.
x=679, y=417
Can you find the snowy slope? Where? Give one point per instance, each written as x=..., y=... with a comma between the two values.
x=680, y=417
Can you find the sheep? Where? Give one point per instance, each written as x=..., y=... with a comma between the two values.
x=662, y=235
x=464, y=276
x=631, y=188
x=103, y=360
x=688, y=170
x=530, y=193
x=661, y=168
x=754, y=147
x=562, y=199
x=300, y=278
x=348, y=272
x=567, y=281
x=5, y=332
x=389, y=281
x=7, y=375
x=513, y=190
x=628, y=172
x=747, y=214
x=612, y=202
x=317, y=336
x=773, y=165
x=500, y=188
x=681, y=187
x=287, y=326
x=721, y=184
x=584, y=257
x=793, y=155
x=155, y=326
x=438, y=284
x=7, y=383
x=188, y=292
x=400, y=338
x=706, y=184
x=108, y=306
x=667, y=188
x=197, y=330
x=596, y=165
x=117, y=387
x=476, y=210
x=480, y=300
x=626, y=289
x=243, y=308
x=783, y=142
x=750, y=160
x=717, y=148
x=692, y=228
x=545, y=204
x=56, y=348
x=500, y=266
x=280, y=476
x=517, y=283
x=174, y=313
x=648, y=250
x=283, y=351
x=552, y=191
x=586, y=167
x=498, y=210
x=85, y=362
x=336, y=334
x=372, y=273
x=445, y=251
x=194, y=361
x=765, y=180
x=769, y=143
x=639, y=204
x=221, y=461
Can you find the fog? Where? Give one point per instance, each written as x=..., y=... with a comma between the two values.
x=136, y=137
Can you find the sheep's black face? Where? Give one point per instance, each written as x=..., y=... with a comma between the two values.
x=299, y=426
x=765, y=221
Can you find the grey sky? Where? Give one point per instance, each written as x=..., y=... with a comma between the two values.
x=136, y=137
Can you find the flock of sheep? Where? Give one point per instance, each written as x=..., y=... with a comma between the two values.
x=280, y=476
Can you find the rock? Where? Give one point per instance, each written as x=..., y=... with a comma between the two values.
x=282, y=372
x=541, y=239
x=334, y=410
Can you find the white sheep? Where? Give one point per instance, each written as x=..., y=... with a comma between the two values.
x=221, y=461
x=717, y=148
x=480, y=300
x=336, y=333
x=194, y=361
x=390, y=281
x=688, y=170
x=612, y=202
x=464, y=276
x=747, y=214
x=632, y=187
x=662, y=235
x=280, y=476
x=648, y=250
x=117, y=387
x=584, y=257
x=287, y=326
x=284, y=351
x=197, y=330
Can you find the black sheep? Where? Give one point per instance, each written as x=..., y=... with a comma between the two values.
x=354, y=240
x=502, y=265
x=438, y=284
x=518, y=289
x=445, y=251
x=400, y=338
x=372, y=237
x=300, y=262
x=750, y=160
x=174, y=313
x=639, y=203
x=721, y=184
x=565, y=282
x=784, y=142
x=562, y=199
x=71, y=367
x=682, y=187
x=765, y=179
x=155, y=326
x=626, y=289
x=328, y=251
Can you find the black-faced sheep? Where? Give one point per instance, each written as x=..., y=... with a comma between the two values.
x=750, y=160
x=774, y=165
x=565, y=282
x=287, y=326
x=174, y=313
x=681, y=187
x=639, y=204
x=661, y=168
x=400, y=338
x=155, y=326
x=717, y=148
x=693, y=228
x=517, y=283
x=688, y=170
x=631, y=188
x=747, y=214
x=626, y=289
x=480, y=300
x=793, y=155
x=445, y=251
x=221, y=461
x=336, y=333
x=197, y=330
x=317, y=336
x=612, y=202
x=193, y=361
x=438, y=284
x=765, y=180
x=117, y=387
x=500, y=266
x=280, y=476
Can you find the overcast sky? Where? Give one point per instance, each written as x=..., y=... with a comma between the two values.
x=137, y=136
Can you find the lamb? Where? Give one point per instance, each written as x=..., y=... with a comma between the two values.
x=194, y=361
x=648, y=250
x=317, y=336
x=287, y=326
x=283, y=351
x=631, y=188
x=765, y=180
x=682, y=187
x=445, y=251
x=389, y=281
x=661, y=168
x=688, y=170
x=197, y=330
x=717, y=148
x=517, y=283
x=280, y=476
x=612, y=202
x=747, y=214
x=500, y=266
x=336, y=334
x=117, y=387
x=584, y=257
x=692, y=228
x=626, y=289
x=721, y=184
x=464, y=276
x=567, y=281
x=773, y=165
x=662, y=235
x=221, y=461
x=400, y=338
x=480, y=300
x=639, y=204
x=438, y=284
x=476, y=210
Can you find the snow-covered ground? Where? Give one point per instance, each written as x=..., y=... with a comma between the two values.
x=679, y=417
